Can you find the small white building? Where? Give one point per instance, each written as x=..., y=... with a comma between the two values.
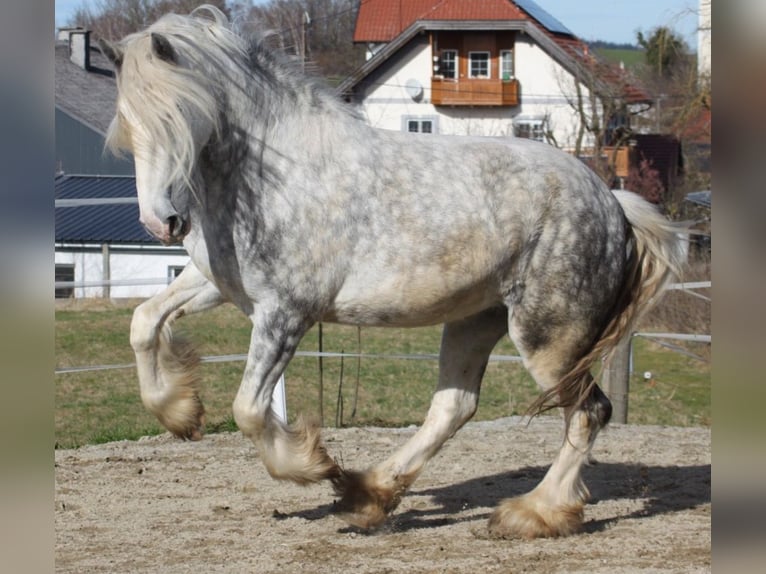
x=492, y=68
x=101, y=249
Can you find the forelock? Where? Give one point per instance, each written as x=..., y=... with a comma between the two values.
x=164, y=96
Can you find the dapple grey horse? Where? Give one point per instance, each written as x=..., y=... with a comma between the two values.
x=296, y=211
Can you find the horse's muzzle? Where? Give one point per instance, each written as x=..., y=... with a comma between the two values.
x=176, y=227
x=171, y=231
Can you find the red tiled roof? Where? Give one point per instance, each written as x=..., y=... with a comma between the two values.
x=384, y=20
x=608, y=73
x=697, y=128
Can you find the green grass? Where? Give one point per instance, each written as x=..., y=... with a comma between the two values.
x=678, y=392
x=99, y=406
x=631, y=58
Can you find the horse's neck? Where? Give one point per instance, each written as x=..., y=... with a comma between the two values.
x=268, y=127
x=303, y=127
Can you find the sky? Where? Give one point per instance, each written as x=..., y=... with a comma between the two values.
x=609, y=20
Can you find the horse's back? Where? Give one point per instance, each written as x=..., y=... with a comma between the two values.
x=492, y=196
x=508, y=175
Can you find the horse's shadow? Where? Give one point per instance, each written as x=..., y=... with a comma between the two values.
x=663, y=489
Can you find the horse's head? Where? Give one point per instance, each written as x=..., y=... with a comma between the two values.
x=166, y=115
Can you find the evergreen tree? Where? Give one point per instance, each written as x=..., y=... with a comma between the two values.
x=665, y=50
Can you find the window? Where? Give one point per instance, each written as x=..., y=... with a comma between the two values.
x=420, y=126
x=478, y=64
x=506, y=64
x=64, y=272
x=533, y=129
x=174, y=271
x=448, y=64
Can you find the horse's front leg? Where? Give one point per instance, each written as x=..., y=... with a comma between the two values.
x=368, y=497
x=289, y=452
x=166, y=365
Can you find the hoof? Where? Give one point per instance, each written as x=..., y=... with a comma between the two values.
x=185, y=419
x=179, y=407
x=297, y=454
x=363, y=503
x=524, y=517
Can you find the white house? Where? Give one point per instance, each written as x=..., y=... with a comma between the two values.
x=495, y=68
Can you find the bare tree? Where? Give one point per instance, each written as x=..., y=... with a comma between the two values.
x=113, y=19
x=597, y=93
x=320, y=32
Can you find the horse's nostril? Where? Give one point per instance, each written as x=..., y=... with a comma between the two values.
x=175, y=225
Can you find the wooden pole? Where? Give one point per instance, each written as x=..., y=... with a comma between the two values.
x=358, y=369
x=321, y=378
x=616, y=380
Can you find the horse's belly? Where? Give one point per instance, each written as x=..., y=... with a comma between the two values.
x=406, y=302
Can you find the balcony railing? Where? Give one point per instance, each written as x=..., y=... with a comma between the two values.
x=474, y=92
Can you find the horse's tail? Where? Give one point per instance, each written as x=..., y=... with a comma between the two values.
x=657, y=255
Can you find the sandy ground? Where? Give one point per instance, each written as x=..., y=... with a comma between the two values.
x=162, y=505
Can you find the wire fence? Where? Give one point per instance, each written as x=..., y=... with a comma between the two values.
x=659, y=338
x=280, y=406
x=316, y=354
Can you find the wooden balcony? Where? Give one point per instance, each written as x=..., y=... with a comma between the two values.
x=474, y=92
x=620, y=158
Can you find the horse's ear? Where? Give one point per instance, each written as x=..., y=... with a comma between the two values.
x=162, y=48
x=112, y=52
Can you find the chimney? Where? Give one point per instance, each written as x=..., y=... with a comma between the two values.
x=65, y=31
x=79, y=47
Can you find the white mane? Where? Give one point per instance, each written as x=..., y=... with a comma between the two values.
x=222, y=76
x=165, y=96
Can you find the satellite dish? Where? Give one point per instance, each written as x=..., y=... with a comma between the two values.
x=414, y=89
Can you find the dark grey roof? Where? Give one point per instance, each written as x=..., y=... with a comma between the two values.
x=98, y=223
x=89, y=96
x=702, y=198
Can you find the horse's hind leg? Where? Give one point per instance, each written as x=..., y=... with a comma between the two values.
x=367, y=498
x=166, y=364
x=555, y=506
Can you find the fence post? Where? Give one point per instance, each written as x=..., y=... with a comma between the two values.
x=616, y=380
x=106, y=273
x=279, y=400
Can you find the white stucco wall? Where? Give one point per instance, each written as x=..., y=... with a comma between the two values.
x=546, y=91
x=386, y=102
x=133, y=265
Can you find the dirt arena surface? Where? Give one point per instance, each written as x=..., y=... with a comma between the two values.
x=162, y=505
